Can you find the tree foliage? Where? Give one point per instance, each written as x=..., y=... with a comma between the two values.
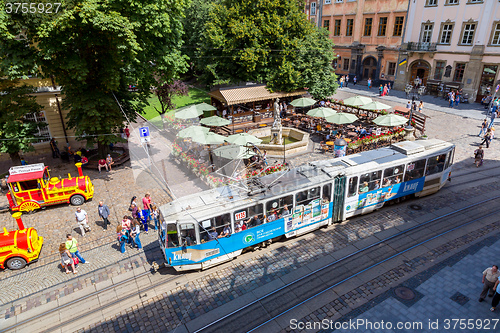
x=17, y=132
x=95, y=50
x=267, y=41
x=167, y=91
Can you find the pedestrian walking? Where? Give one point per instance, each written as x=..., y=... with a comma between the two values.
x=490, y=276
x=122, y=237
x=420, y=106
x=479, y=156
x=346, y=80
x=380, y=90
x=369, y=83
x=104, y=213
x=74, y=249
x=484, y=126
x=55, y=150
x=134, y=234
x=492, y=118
x=355, y=80
x=66, y=259
x=496, y=296
x=408, y=105
x=487, y=138
x=388, y=88
x=155, y=215
x=82, y=220
x=341, y=81
x=451, y=96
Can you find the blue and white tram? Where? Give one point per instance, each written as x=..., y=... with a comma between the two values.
x=297, y=201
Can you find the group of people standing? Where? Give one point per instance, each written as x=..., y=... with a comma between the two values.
x=455, y=97
x=344, y=80
x=129, y=229
x=384, y=90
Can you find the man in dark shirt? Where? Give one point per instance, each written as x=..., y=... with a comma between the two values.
x=254, y=221
x=212, y=234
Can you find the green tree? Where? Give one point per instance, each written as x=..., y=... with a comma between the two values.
x=266, y=41
x=95, y=50
x=16, y=131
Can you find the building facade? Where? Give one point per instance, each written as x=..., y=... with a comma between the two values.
x=454, y=42
x=49, y=97
x=367, y=34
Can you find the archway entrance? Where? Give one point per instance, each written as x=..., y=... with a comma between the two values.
x=369, y=68
x=421, y=69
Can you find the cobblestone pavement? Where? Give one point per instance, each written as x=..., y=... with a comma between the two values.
x=441, y=298
x=190, y=301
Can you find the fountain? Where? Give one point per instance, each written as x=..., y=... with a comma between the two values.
x=282, y=141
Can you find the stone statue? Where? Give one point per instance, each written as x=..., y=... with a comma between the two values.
x=277, y=110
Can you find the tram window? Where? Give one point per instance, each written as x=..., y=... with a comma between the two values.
x=173, y=239
x=45, y=177
x=327, y=193
x=305, y=197
x=188, y=235
x=29, y=185
x=276, y=207
x=449, y=160
x=435, y=164
x=219, y=223
x=369, y=181
x=353, y=185
x=393, y=175
x=415, y=170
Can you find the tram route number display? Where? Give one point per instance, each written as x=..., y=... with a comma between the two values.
x=240, y=215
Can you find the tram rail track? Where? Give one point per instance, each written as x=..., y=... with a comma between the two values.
x=295, y=282
x=280, y=301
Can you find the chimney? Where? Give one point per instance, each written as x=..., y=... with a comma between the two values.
x=79, y=166
x=17, y=216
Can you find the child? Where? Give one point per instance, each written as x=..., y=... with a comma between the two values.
x=66, y=259
x=155, y=214
x=121, y=235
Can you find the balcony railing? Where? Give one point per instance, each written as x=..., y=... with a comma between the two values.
x=422, y=47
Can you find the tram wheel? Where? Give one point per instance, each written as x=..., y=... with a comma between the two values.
x=77, y=200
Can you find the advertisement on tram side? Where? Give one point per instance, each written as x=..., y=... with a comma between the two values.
x=301, y=217
x=381, y=195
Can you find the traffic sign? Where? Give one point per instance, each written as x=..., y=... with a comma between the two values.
x=144, y=132
x=145, y=139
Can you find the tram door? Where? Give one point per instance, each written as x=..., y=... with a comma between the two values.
x=338, y=199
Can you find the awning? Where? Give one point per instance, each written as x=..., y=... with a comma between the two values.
x=240, y=95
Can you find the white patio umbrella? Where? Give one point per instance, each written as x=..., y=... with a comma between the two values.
x=188, y=112
x=357, y=101
x=192, y=131
x=376, y=106
x=209, y=138
x=215, y=121
x=303, y=102
x=243, y=139
x=341, y=118
x=233, y=152
x=390, y=120
x=321, y=112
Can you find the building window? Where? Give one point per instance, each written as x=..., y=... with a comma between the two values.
x=438, y=73
x=336, y=29
x=43, y=128
x=382, y=27
x=368, y=27
x=475, y=1
x=328, y=2
x=398, y=26
x=495, y=40
x=451, y=2
x=468, y=33
x=391, y=69
x=426, y=34
x=350, y=24
x=459, y=72
x=431, y=3
x=446, y=30
x=313, y=8
x=346, y=64
x=339, y=1
x=326, y=24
